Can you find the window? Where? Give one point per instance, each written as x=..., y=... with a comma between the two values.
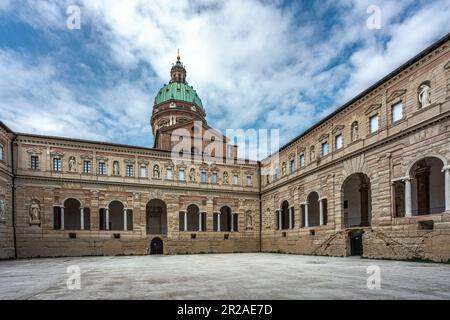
x=302, y=160
x=235, y=179
x=1, y=153
x=101, y=168
x=324, y=149
x=169, y=174
x=34, y=162
x=397, y=111
x=292, y=165
x=129, y=170
x=143, y=171
x=181, y=175
x=86, y=166
x=339, y=141
x=373, y=123
x=277, y=173
x=214, y=178
x=203, y=176
x=57, y=164
x=249, y=181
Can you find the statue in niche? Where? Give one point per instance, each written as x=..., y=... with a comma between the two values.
x=248, y=220
x=424, y=95
x=72, y=164
x=156, y=171
x=2, y=209
x=116, y=168
x=192, y=175
x=354, y=131
x=283, y=169
x=312, y=152
x=35, y=213
x=225, y=177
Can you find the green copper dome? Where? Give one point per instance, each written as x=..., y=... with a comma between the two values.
x=178, y=91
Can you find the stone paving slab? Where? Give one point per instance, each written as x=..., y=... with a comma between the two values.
x=222, y=276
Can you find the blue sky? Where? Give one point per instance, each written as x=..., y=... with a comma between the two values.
x=255, y=64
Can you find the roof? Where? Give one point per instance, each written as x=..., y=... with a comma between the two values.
x=178, y=91
x=372, y=87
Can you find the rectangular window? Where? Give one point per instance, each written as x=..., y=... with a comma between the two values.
x=129, y=170
x=339, y=141
x=292, y=165
x=34, y=162
x=169, y=174
x=397, y=111
x=214, y=178
x=302, y=160
x=324, y=149
x=1, y=153
x=57, y=164
x=235, y=179
x=143, y=171
x=373, y=123
x=203, y=177
x=249, y=181
x=86, y=166
x=181, y=175
x=102, y=168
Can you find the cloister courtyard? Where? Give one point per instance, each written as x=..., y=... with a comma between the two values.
x=221, y=276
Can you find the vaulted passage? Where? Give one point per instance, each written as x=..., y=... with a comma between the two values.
x=118, y=217
x=357, y=203
x=427, y=185
x=72, y=212
x=156, y=213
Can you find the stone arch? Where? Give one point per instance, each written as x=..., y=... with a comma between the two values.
x=312, y=201
x=356, y=198
x=156, y=217
x=72, y=214
x=418, y=158
x=76, y=198
x=427, y=181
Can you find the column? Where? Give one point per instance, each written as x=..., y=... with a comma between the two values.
x=280, y=220
x=408, y=198
x=232, y=222
x=185, y=221
x=290, y=217
x=218, y=221
x=107, y=218
x=125, y=227
x=321, y=211
x=306, y=216
x=447, y=189
x=82, y=218
x=62, y=218
x=199, y=221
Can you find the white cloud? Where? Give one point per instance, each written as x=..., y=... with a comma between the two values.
x=253, y=63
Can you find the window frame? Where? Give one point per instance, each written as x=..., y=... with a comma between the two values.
x=337, y=138
x=58, y=167
x=87, y=167
x=34, y=165
x=377, y=116
x=129, y=170
x=402, y=110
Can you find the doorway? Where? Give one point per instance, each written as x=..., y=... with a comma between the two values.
x=356, y=244
x=156, y=246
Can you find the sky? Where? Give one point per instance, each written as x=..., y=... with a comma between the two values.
x=255, y=64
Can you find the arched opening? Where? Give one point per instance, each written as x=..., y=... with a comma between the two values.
x=427, y=186
x=356, y=243
x=193, y=213
x=156, y=213
x=116, y=221
x=357, y=202
x=72, y=214
x=225, y=219
x=156, y=246
x=283, y=218
x=313, y=209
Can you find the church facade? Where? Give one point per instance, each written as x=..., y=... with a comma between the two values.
x=371, y=179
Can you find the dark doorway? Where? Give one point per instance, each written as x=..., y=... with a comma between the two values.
x=356, y=245
x=156, y=246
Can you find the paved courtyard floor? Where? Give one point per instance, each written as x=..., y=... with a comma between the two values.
x=222, y=276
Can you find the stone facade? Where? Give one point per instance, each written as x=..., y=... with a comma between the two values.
x=343, y=149
x=371, y=179
x=6, y=194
